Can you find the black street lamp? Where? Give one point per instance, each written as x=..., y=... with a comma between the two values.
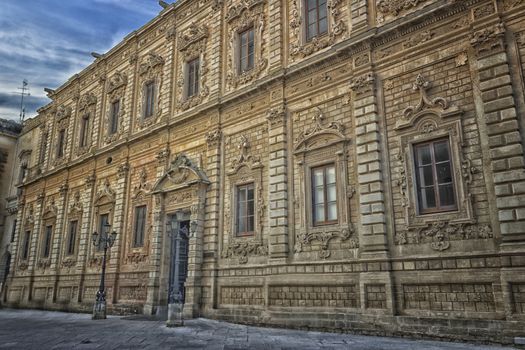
x=104, y=240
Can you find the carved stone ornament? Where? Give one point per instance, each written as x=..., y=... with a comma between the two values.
x=89, y=181
x=136, y=258
x=440, y=234
x=122, y=170
x=62, y=112
x=243, y=249
x=105, y=192
x=489, y=40
x=244, y=158
x=142, y=187
x=86, y=101
x=241, y=16
x=213, y=137
x=324, y=237
x=276, y=116
x=30, y=217
x=363, y=84
x=116, y=89
x=69, y=262
x=23, y=266
x=426, y=105
x=116, y=81
x=163, y=155
x=336, y=29
x=150, y=71
x=319, y=127
x=393, y=8
x=63, y=189
x=43, y=264
x=86, y=109
x=76, y=206
x=193, y=34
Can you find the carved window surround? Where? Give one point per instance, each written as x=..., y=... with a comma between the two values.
x=299, y=46
x=86, y=106
x=388, y=10
x=244, y=169
x=104, y=203
x=27, y=226
x=141, y=195
x=116, y=90
x=321, y=144
x=247, y=14
x=150, y=70
x=49, y=218
x=430, y=119
x=192, y=45
x=74, y=214
x=62, y=116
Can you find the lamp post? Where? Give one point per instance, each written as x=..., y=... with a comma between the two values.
x=104, y=240
x=176, y=288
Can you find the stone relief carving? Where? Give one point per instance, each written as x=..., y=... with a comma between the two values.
x=276, y=116
x=510, y=4
x=192, y=45
x=363, y=84
x=243, y=249
x=213, y=137
x=389, y=9
x=324, y=237
x=143, y=186
x=440, y=234
x=337, y=28
x=483, y=11
x=319, y=127
x=86, y=107
x=244, y=158
x=150, y=71
x=105, y=191
x=241, y=16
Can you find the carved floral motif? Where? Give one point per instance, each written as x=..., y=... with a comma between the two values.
x=242, y=249
x=489, y=39
x=324, y=237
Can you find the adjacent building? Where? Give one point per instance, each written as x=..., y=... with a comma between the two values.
x=334, y=164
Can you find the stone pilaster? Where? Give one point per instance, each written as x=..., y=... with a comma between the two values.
x=278, y=184
x=59, y=235
x=505, y=149
x=359, y=15
x=15, y=248
x=275, y=28
x=212, y=213
x=85, y=229
x=372, y=228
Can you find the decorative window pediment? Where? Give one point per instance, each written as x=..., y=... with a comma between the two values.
x=183, y=172
x=245, y=169
x=322, y=144
x=150, y=72
x=299, y=45
x=105, y=194
x=192, y=45
x=240, y=17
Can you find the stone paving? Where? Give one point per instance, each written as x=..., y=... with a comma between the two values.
x=29, y=329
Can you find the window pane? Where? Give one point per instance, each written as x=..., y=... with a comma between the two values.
x=250, y=193
x=426, y=176
x=72, y=237
x=441, y=151
x=332, y=211
x=429, y=198
x=319, y=213
x=319, y=195
x=242, y=194
x=331, y=193
x=312, y=4
x=330, y=175
x=250, y=221
x=241, y=226
x=323, y=26
x=446, y=195
x=444, y=174
x=322, y=10
x=312, y=30
x=423, y=155
x=318, y=177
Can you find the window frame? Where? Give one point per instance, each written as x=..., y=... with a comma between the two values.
x=98, y=248
x=61, y=143
x=324, y=167
x=150, y=91
x=246, y=217
x=135, y=243
x=47, y=241
x=307, y=23
x=72, y=238
x=192, y=87
x=240, y=50
x=26, y=245
x=435, y=185
x=114, y=117
x=84, y=130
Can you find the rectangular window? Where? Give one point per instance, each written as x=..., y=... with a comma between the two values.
x=60, y=143
x=149, y=106
x=246, y=50
x=73, y=226
x=245, y=210
x=13, y=231
x=43, y=149
x=324, y=195
x=192, y=87
x=102, y=221
x=84, y=130
x=25, y=250
x=113, y=119
x=140, y=226
x=316, y=18
x=435, y=183
x=46, y=248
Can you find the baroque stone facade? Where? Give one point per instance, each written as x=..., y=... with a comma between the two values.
x=334, y=125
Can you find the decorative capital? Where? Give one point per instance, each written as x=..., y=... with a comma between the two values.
x=89, y=181
x=489, y=40
x=213, y=137
x=363, y=84
x=276, y=116
x=122, y=170
x=63, y=189
x=162, y=156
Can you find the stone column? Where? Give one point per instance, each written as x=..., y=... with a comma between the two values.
x=212, y=214
x=372, y=228
x=505, y=149
x=278, y=185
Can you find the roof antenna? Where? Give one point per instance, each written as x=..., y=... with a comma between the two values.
x=24, y=92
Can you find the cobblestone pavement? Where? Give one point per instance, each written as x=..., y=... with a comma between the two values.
x=28, y=329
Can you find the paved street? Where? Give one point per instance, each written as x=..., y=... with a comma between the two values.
x=25, y=329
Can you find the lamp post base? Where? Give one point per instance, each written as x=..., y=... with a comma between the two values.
x=99, y=310
x=175, y=315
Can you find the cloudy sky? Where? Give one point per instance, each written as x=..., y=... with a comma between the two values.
x=47, y=41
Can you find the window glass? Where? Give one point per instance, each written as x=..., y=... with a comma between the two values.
x=140, y=226
x=324, y=195
x=245, y=209
x=73, y=226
